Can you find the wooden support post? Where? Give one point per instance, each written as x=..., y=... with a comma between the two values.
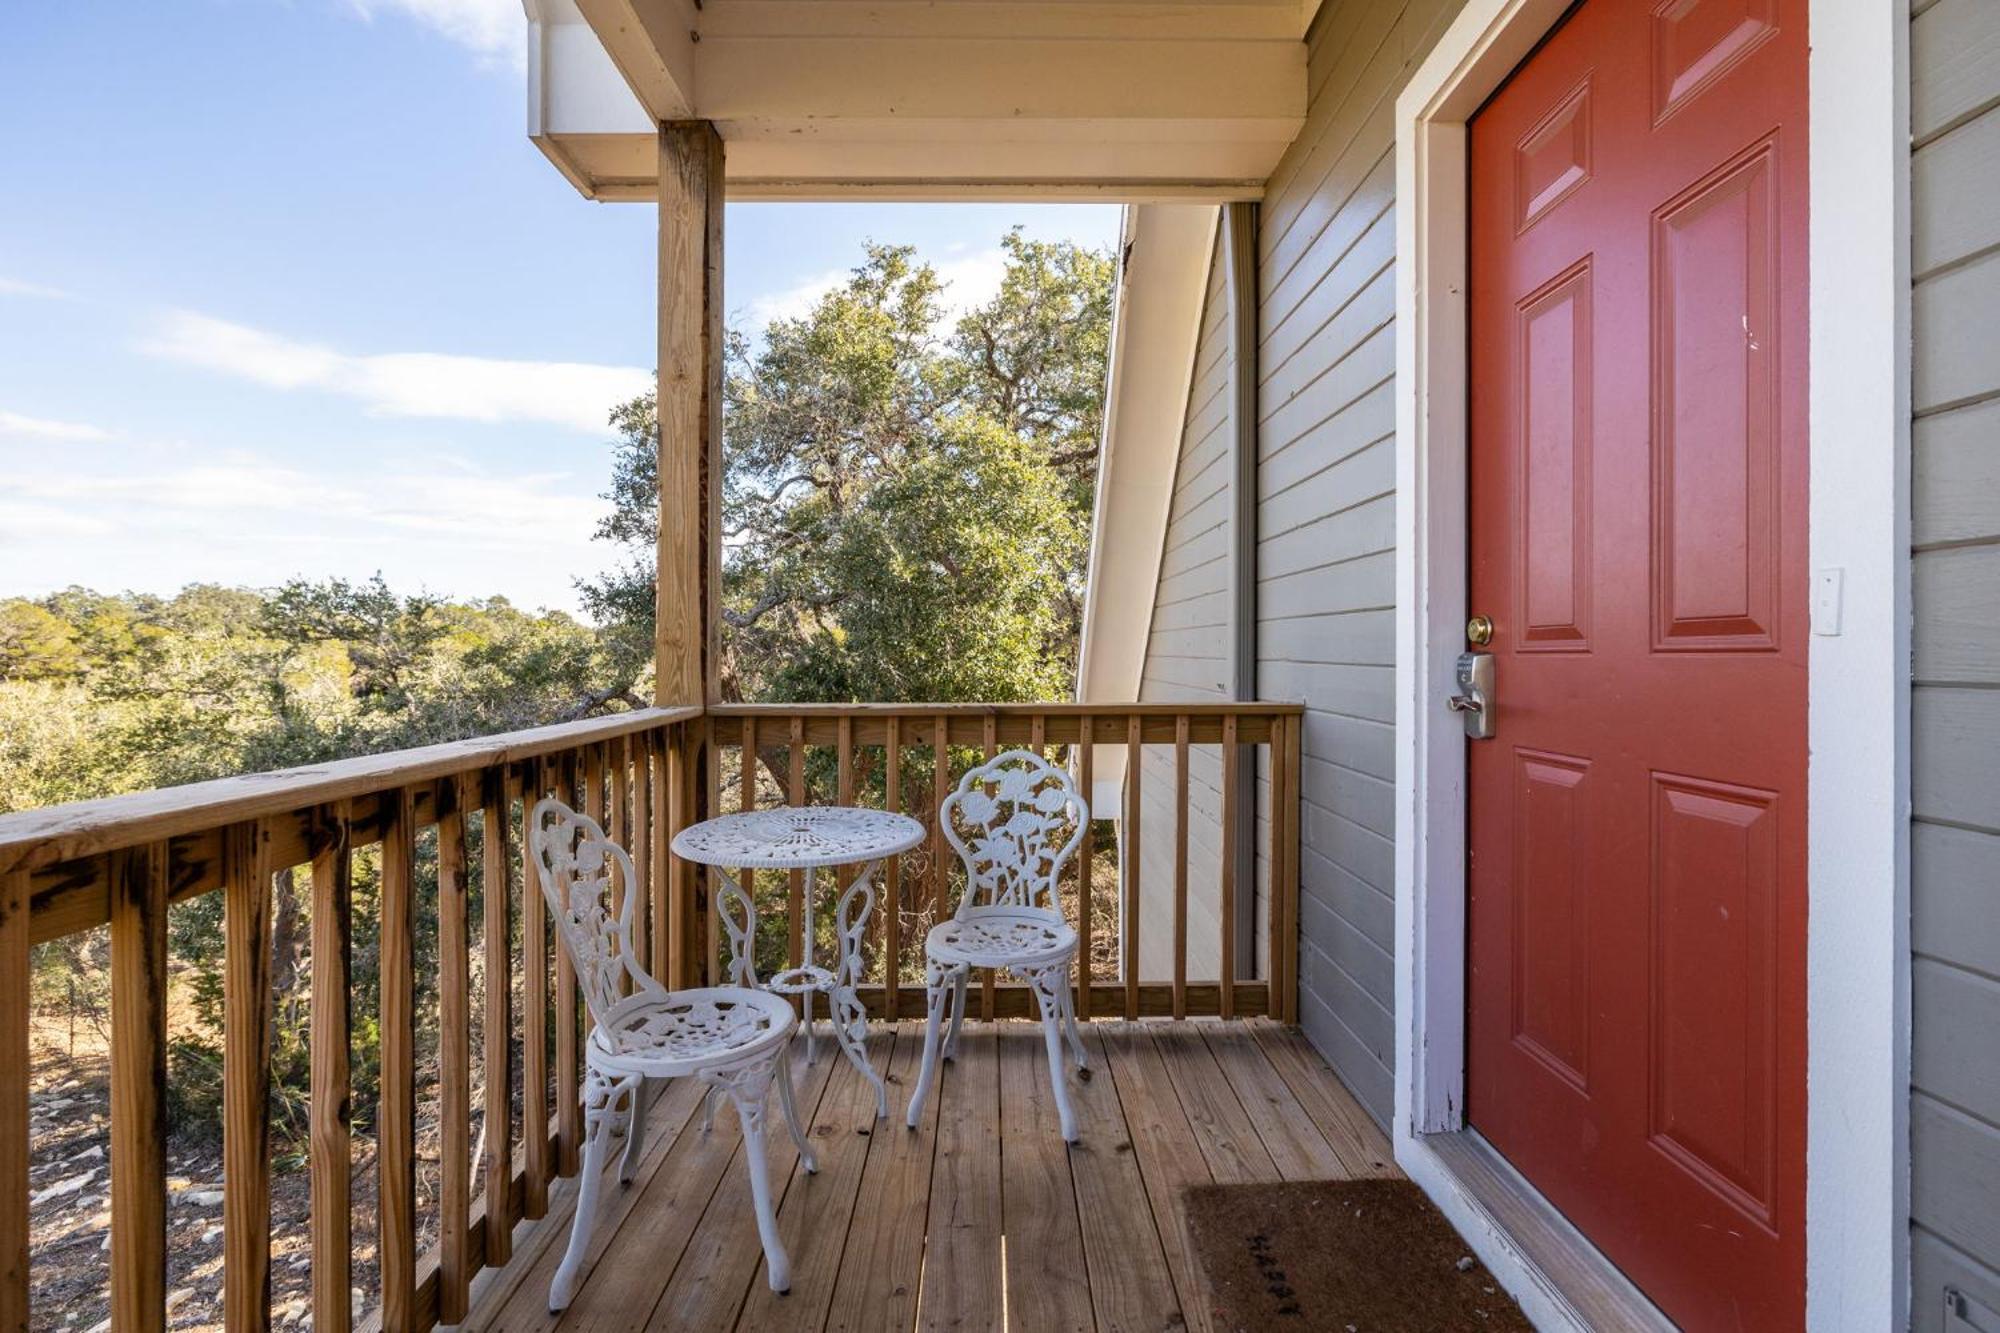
x=690, y=413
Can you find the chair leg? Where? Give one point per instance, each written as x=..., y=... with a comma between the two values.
x=600, y=1122
x=1069, y=1022
x=749, y=1087
x=937, y=984
x=708, y=1097
x=1048, y=984
x=957, y=1012
x=790, y=1106
x=635, y=1135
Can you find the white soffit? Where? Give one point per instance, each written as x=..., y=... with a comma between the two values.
x=1131, y=100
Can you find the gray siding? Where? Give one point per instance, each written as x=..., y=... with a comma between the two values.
x=1326, y=512
x=1955, y=522
x=1187, y=658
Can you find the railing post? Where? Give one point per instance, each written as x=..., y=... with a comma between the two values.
x=497, y=1059
x=892, y=875
x=14, y=1015
x=396, y=1120
x=331, y=1112
x=660, y=792
x=1284, y=864
x=1180, y=864
x=1130, y=855
x=534, y=1003
x=1086, y=730
x=1232, y=839
x=138, y=1085
x=246, y=1078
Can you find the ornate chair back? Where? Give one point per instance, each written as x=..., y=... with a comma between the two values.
x=576, y=862
x=1014, y=821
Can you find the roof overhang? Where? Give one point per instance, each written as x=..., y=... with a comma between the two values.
x=1132, y=100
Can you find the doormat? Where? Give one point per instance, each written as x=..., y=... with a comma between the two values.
x=1348, y=1256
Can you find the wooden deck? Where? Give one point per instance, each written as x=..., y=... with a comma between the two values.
x=981, y=1218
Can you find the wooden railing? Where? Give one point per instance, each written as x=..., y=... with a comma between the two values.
x=850, y=738
x=124, y=861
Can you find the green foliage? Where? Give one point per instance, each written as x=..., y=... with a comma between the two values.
x=906, y=506
x=101, y=694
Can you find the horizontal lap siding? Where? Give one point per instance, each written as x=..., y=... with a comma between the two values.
x=1327, y=512
x=1187, y=658
x=1955, y=523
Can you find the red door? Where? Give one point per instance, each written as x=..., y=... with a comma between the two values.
x=1638, y=511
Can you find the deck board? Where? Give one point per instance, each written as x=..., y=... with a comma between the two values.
x=1047, y=1284
x=1093, y=1236
x=962, y=1281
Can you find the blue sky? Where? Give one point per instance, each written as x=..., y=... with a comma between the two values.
x=285, y=290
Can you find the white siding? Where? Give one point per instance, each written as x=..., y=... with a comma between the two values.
x=1955, y=520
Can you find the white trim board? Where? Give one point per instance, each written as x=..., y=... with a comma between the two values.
x=1858, y=787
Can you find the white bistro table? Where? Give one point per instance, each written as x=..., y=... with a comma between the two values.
x=806, y=838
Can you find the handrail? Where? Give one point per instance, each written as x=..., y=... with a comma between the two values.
x=34, y=839
x=644, y=775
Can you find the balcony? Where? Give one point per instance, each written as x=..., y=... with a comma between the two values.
x=1236, y=1095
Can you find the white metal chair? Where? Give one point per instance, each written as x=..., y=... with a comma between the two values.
x=1014, y=810
x=730, y=1037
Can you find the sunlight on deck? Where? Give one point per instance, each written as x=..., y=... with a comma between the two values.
x=901, y=1227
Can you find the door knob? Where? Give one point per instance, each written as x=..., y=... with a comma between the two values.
x=1479, y=630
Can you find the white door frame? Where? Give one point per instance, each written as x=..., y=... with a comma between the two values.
x=1858, y=791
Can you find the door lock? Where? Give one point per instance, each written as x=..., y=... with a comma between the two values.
x=1474, y=700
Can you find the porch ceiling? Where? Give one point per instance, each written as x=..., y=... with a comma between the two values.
x=1128, y=100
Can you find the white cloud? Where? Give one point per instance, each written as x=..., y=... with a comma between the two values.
x=437, y=498
x=161, y=516
x=494, y=30
x=971, y=279
x=793, y=302
x=405, y=384
x=17, y=287
x=41, y=428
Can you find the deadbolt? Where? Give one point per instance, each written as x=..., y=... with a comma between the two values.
x=1479, y=630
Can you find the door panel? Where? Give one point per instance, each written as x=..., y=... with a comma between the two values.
x=1636, y=828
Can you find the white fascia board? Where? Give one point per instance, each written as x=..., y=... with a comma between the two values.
x=1155, y=334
